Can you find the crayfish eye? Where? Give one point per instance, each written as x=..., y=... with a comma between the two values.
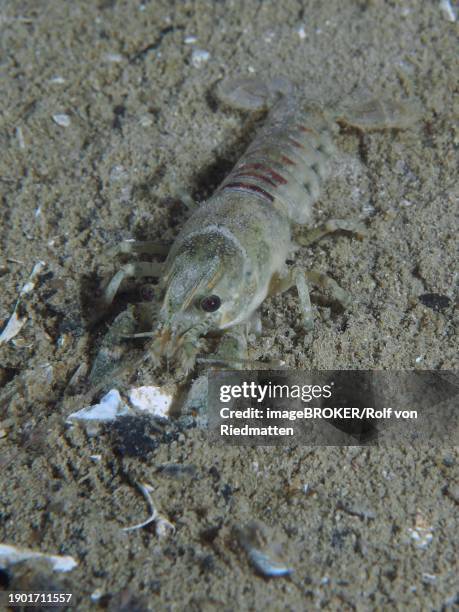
x=211, y=303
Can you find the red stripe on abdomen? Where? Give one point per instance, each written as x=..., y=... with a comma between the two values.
x=287, y=160
x=295, y=143
x=280, y=180
x=237, y=186
x=307, y=130
x=255, y=175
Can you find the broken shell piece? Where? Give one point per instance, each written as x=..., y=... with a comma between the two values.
x=301, y=32
x=20, y=137
x=17, y=322
x=9, y=555
x=30, y=284
x=154, y=400
x=421, y=534
x=421, y=537
x=111, y=407
x=199, y=57
x=96, y=595
x=115, y=58
x=61, y=119
x=146, y=490
x=254, y=540
x=447, y=10
x=78, y=375
x=13, y=327
x=267, y=566
x=163, y=526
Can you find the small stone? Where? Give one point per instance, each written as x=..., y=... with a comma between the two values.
x=301, y=32
x=62, y=120
x=199, y=57
x=435, y=301
x=114, y=58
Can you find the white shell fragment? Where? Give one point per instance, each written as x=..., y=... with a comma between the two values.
x=114, y=58
x=163, y=527
x=154, y=400
x=254, y=539
x=62, y=119
x=421, y=537
x=447, y=10
x=301, y=32
x=267, y=566
x=96, y=595
x=30, y=284
x=146, y=490
x=421, y=533
x=13, y=327
x=20, y=137
x=16, y=322
x=111, y=407
x=199, y=57
x=9, y=555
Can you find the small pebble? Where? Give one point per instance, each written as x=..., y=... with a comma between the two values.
x=254, y=539
x=118, y=173
x=96, y=595
x=301, y=32
x=62, y=120
x=115, y=58
x=199, y=57
x=20, y=137
x=435, y=301
x=146, y=121
x=428, y=578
